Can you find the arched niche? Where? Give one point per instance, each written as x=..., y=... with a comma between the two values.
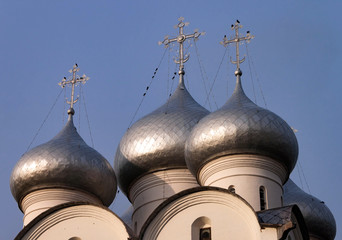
x=263, y=198
x=197, y=227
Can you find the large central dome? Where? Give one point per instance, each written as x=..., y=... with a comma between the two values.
x=241, y=127
x=157, y=140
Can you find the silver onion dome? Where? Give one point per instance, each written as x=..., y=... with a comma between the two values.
x=66, y=161
x=318, y=219
x=157, y=140
x=241, y=127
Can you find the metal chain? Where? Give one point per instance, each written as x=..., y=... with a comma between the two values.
x=228, y=78
x=212, y=85
x=306, y=183
x=64, y=89
x=86, y=112
x=171, y=89
x=250, y=72
x=258, y=81
x=168, y=72
x=47, y=116
x=203, y=73
x=79, y=110
x=147, y=88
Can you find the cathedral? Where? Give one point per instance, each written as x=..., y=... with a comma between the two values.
x=189, y=174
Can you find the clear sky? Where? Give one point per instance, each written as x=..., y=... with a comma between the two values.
x=295, y=61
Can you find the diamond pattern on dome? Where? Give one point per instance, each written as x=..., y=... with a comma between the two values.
x=64, y=161
x=241, y=127
x=317, y=216
x=157, y=140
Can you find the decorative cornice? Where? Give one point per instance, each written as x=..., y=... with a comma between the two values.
x=52, y=194
x=242, y=161
x=161, y=178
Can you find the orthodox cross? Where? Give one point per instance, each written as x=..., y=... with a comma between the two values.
x=73, y=81
x=181, y=39
x=237, y=39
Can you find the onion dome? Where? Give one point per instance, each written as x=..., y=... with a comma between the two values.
x=241, y=127
x=319, y=220
x=66, y=161
x=157, y=140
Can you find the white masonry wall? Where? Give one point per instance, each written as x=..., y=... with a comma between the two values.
x=152, y=189
x=39, y=201
x=247, y=173
x=80, y=222
x=228, y=216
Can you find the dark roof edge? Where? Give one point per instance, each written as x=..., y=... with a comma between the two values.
x=299, y=216
x=300, y=219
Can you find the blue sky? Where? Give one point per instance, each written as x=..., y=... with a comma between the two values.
x=295, y=61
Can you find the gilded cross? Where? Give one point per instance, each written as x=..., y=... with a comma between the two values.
x=181, y=39
x=237, y=39
x=74, y=80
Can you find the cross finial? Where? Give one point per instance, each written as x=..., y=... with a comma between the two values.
x=181, y=39
x=74, y=80
x=237, y=39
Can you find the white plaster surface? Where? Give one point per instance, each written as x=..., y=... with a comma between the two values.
x=39, y=201
x=152, y=189
x=226, y=214
x=247, y=173
x=83, y=222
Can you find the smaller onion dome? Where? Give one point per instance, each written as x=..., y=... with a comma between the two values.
x=157, y=140
x=241, y=127
x=320, y=222
x=66, y=161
